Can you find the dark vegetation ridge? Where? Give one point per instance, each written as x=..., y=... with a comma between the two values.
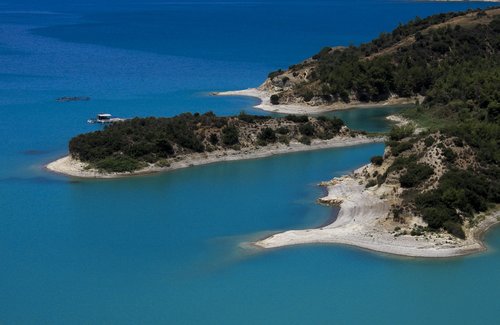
x=443, y=57
x=136, y=143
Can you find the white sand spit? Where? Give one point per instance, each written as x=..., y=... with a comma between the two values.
x=363, y=222
x=303, y=108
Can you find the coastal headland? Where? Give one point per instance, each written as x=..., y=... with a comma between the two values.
x=70, y=166
x=149, y=145
x=365, y=221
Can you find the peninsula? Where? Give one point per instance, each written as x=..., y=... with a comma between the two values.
x=148, y=145
x=436, y=189
x=406, y=66
x=413, y=203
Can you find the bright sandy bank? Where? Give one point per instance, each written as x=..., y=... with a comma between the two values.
x=364, y=221
x=265, y=103
x=72, y=167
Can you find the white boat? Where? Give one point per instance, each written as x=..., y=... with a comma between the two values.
x=105, y=118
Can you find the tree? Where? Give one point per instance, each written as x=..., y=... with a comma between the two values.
x=377, y=160
x=230, y=135
x=275, y=99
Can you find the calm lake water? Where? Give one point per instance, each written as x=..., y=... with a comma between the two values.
x=169, y=248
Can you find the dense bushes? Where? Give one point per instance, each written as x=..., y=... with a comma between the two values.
x=230, y=135
x=267, y=135
x=282, y=130
x=415, y=174
x=429, y=141
x=454, y=228
x=118, y=164
x=400, y=132
x=398, y=147
x=460, y=194
x=440, y=63
x=377, y=160
x=332, y=123
x=307, y=129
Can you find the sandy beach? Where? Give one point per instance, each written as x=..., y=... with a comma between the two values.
x=363, y=221
x=72, y=167
x=265, y=103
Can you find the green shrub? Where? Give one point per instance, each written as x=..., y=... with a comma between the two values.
x=164, y=148
x=458, y=190
x=400, y=147
x=307, y=129
x=429, y=141
x=397, y=212
x=455, y=229
x=307, y=95
x=213, y=139
x=435, y=217
x=377, y=160
x=402, y=163
x=417, y=231
x=333, y=124
x=284, y=139
x=275, y=99
x=305, y=140
x=449, y=155
x=118, y=164
x=381, y=178
x=415, y=174
x=400, y=132
x=267, y=135
x=230, y=135
x=282, y=130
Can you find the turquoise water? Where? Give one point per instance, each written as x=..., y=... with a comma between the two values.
x=167, y=248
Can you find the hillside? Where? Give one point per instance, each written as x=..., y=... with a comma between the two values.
x=422, y=59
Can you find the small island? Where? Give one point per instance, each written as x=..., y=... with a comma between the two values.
x=148, y=145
